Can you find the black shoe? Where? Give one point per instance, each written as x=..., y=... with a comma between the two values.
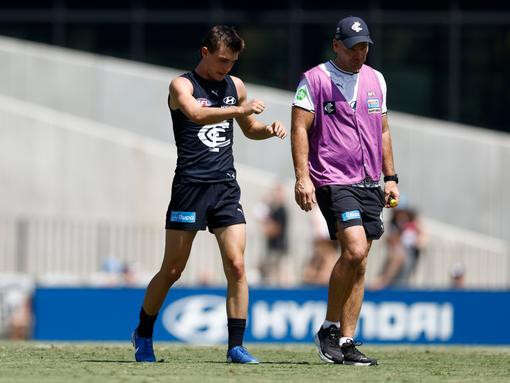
x=355, y=357
x=328, y=346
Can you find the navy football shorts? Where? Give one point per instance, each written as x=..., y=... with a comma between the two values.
x=352, y=206
x=195, y=206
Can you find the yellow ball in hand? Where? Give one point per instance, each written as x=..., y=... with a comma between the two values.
x=393, y=202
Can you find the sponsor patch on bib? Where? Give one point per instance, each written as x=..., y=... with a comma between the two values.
x=373, y=105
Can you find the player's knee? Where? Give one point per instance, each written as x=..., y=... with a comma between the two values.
x=355, y=255
x=235, y=269
x=172, y=273
x=362, y=267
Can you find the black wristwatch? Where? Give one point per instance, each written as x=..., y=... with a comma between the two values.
x=394, y=177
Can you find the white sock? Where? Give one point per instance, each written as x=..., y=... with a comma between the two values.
x=328, y=323
x=344, y=339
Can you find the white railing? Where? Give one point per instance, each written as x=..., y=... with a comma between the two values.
x=485, y=260
x=451, y=172
x=61, y=175
x=56, y=250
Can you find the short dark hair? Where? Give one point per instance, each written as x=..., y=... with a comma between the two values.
x=223, y=34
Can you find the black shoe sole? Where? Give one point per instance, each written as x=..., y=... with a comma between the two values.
x=347, y=362
x=319, y=351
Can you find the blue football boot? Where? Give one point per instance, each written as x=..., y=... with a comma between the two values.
x=144, y=352
x=239, y=354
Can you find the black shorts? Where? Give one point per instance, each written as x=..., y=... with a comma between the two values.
x=195, y=206
x=352, y=206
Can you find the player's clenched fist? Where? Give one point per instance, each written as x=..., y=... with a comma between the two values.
x=253, y=106
x=277, y=129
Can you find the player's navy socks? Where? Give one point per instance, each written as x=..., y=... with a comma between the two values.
x=235, y=332
x=146, y=325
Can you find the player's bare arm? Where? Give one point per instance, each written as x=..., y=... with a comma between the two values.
x=252, y=128
x=304, y=190
x=181, y=97
x=390, y=187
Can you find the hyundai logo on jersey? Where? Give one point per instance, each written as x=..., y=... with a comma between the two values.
x=230, y=100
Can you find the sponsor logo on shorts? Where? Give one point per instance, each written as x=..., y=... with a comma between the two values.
x=373, y=105
x=349, y=215
x=183, y=216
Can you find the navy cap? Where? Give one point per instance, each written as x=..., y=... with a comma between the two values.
x=351, y=31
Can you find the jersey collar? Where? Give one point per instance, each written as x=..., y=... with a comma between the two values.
x=341, y=70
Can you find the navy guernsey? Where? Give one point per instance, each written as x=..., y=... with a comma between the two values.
x=204, y=152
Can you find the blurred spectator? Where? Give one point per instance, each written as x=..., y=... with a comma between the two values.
x=457, y=276
x=405, y=240
x=274, y=218
x=324, y=252
x=128, y=275
x=112, y=265
x=20, y=321
x=115, y=272
x=15, y=307
x=205, y=278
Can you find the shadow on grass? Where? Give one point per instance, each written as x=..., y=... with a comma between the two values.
x=118, y=361
x=204, y=361
x=275, y=363
x=294, y=363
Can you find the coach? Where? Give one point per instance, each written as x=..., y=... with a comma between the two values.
x=340, y=144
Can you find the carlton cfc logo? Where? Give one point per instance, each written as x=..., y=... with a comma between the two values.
x=210, y=135
x=356, y=26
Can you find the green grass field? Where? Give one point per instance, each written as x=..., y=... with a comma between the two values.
x=42, y=362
